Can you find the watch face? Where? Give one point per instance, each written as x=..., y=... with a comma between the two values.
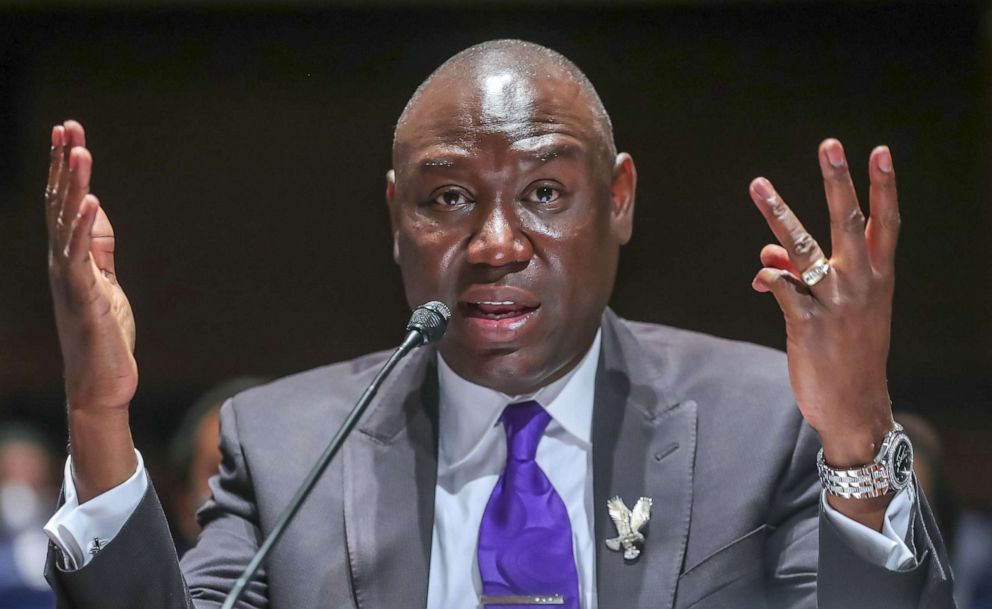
x=902, y=462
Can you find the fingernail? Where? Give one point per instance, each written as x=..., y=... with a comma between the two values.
x=885, y=160
x=835, y=154
x=764, y=189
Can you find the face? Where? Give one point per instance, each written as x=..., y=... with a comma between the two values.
x=506, y=205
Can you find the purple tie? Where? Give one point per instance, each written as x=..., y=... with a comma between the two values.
x=525, y=540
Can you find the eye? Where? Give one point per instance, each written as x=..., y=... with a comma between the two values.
x=452, y=197
x=543, y=194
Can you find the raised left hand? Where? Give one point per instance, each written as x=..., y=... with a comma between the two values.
x=838, y=329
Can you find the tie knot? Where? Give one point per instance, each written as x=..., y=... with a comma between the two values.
x=524, y=423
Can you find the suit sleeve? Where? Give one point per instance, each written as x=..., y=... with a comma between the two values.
x=139, y=567
x=809, y=563
x=791, y=546
x=847, y=580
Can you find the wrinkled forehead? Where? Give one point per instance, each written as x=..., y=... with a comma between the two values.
x=517, y=108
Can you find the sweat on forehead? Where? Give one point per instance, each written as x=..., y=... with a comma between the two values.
x=489, y=73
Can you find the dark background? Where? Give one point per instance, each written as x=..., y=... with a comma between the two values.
x=241, y=154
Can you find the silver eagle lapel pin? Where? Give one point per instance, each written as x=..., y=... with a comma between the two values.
x=629, y=524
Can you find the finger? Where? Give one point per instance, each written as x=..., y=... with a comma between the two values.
x=847, y=221
x=75, y=133
x=77, y=247
x=78, y=268
x=802, y=249
x=65, y=179
x=80, y=169
x=883, y=224
x=103, y=242
x=792, y=295
x=776, y=257
x=55, y=167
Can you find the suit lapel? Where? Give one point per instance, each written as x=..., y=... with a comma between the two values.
x=644, y=444
x=390, y=467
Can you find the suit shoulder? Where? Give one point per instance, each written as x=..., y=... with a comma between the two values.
x=332, y=390
x=692, y=343
x=732, y=367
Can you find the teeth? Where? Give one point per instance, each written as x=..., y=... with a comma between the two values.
x=501, y=303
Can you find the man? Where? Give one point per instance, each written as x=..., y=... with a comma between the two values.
x=26, y=491
x=481, y=473
x=195, y=458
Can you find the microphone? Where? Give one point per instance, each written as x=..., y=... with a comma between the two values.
x=426, y=325
x=429, y=321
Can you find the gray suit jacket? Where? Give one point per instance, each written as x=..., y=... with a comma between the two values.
x=707, y=427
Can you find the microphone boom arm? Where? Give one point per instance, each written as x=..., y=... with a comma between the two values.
x=415, y=337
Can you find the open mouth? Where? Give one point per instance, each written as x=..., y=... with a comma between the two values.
x=495, y=311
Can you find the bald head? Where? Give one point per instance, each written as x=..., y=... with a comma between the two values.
x=501, y=84
x=507, y=191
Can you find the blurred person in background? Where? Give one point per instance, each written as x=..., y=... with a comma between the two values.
x=27, y=494
x=195, y=456
x=928, y=465
x=968, y=532
x=972, y=560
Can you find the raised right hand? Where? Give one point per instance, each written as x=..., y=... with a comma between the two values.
x=93, y=317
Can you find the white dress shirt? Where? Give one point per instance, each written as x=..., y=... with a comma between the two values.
x=472, y=453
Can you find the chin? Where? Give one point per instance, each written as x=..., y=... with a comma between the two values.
x=511, y=370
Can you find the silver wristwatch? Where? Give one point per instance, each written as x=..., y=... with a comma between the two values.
x=890, y=472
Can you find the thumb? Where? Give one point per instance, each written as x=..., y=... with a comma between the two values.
x=792, y=295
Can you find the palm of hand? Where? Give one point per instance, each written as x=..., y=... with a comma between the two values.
x=93, y=316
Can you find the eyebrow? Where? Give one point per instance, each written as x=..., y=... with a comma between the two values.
x=545, y=154
x=541, y=154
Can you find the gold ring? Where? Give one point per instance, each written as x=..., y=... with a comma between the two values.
x=815, y=272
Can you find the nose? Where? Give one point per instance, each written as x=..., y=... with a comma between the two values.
x=498, y=241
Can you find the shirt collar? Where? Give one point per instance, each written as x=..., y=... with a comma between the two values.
x=469, y=410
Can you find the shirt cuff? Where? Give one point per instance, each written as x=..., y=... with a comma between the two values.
x=888, y=548
x=80, y=531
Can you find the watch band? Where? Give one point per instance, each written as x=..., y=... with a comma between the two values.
x=867, y=481
x=863, y=482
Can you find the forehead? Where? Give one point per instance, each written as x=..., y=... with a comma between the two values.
x=539, y=112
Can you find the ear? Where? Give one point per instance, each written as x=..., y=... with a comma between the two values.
x=391, y=203
x=623, y=189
